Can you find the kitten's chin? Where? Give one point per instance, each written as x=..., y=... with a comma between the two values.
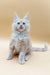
x=21, y=30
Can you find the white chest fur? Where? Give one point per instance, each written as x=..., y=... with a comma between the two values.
x=19, y=35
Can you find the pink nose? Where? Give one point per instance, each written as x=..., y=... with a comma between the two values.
x=21, y=27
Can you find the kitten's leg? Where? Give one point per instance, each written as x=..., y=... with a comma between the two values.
x=22, y=58
x=11, y=50
x=27, y=56
x=10, y=55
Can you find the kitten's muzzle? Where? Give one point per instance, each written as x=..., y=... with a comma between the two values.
x=21, y=27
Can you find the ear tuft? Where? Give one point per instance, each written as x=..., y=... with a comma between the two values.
x=16, y=17
x=26, y=16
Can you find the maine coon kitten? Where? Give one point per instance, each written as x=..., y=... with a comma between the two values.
x=20, y=40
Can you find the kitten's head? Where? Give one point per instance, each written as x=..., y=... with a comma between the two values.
x=21, y=24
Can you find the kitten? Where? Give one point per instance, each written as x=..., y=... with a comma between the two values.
x=20, y=40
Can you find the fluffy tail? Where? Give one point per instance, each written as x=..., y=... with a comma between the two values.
x=41, y=49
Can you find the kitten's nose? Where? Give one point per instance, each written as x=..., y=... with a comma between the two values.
x=21, y=26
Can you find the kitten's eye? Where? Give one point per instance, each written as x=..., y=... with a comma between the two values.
x=23, y=23
x=18, y=23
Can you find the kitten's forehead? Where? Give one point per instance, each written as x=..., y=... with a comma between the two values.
x=21, y=20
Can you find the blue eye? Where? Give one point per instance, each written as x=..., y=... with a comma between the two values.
x=18, y=23
x=23, y=23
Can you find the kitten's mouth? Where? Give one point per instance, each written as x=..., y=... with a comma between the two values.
x=21, y=27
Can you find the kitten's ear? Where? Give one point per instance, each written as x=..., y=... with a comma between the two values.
x=26, y=16
x=16, y=17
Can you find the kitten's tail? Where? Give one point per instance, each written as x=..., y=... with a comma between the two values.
x=41, y=49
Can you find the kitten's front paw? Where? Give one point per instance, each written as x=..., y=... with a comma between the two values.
x=21, y=58
x=21, y=61
x=9, y=57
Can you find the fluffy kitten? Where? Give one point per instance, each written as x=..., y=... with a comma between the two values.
x=20, y=40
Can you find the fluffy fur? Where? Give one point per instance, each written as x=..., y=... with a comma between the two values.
x=20, y=40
